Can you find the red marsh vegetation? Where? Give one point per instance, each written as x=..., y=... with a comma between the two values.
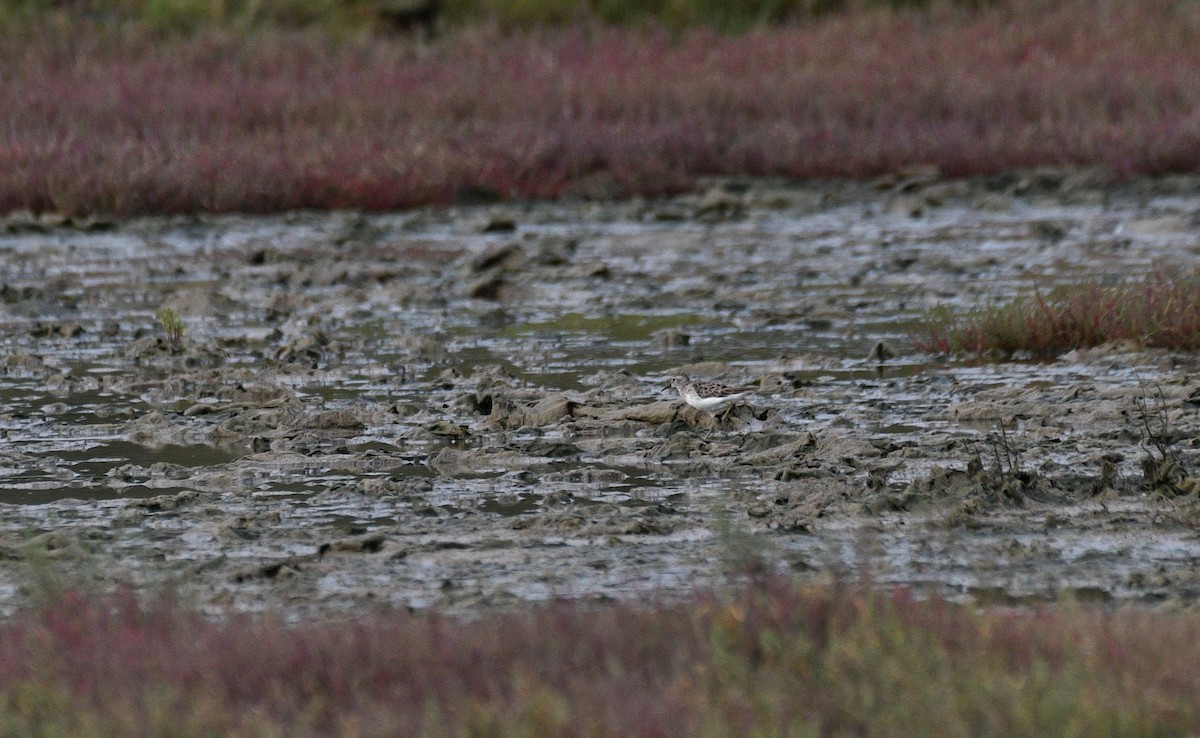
x=772, y=660
x=1161, y=310
x=120, y=120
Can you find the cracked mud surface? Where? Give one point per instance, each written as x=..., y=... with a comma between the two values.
x=464, y=408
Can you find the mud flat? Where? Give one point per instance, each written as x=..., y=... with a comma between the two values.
x=464, y=408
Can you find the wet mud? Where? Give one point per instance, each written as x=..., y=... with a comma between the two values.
x=465, y=408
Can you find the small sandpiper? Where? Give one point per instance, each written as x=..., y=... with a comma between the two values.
x=708, y=395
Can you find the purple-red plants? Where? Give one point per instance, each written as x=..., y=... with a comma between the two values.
x=120, y=121
x=1160, y=311
x=773, y=659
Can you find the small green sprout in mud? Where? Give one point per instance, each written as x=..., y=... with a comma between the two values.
x=1160, y=311
x=172, y=324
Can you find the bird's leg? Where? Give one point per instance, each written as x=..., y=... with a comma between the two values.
x=725, y=415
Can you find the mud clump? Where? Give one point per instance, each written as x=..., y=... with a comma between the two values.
x=1168, y=478
x=973, y=491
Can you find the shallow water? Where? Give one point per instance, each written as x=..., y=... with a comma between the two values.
x=346, y=375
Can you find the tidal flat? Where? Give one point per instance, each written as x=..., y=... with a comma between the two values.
x=463, y=408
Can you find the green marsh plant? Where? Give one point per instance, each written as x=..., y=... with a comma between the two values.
x=172, y=325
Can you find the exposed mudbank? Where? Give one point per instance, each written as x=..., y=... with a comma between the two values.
x=464, y=408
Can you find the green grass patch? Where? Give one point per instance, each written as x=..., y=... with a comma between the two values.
x=190, y=16
x=1160, y=311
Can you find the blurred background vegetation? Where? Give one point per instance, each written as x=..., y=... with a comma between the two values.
x=351, y=16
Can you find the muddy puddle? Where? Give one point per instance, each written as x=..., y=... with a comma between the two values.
x=465, y=408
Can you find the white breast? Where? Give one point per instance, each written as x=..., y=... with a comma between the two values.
x=708, y=403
